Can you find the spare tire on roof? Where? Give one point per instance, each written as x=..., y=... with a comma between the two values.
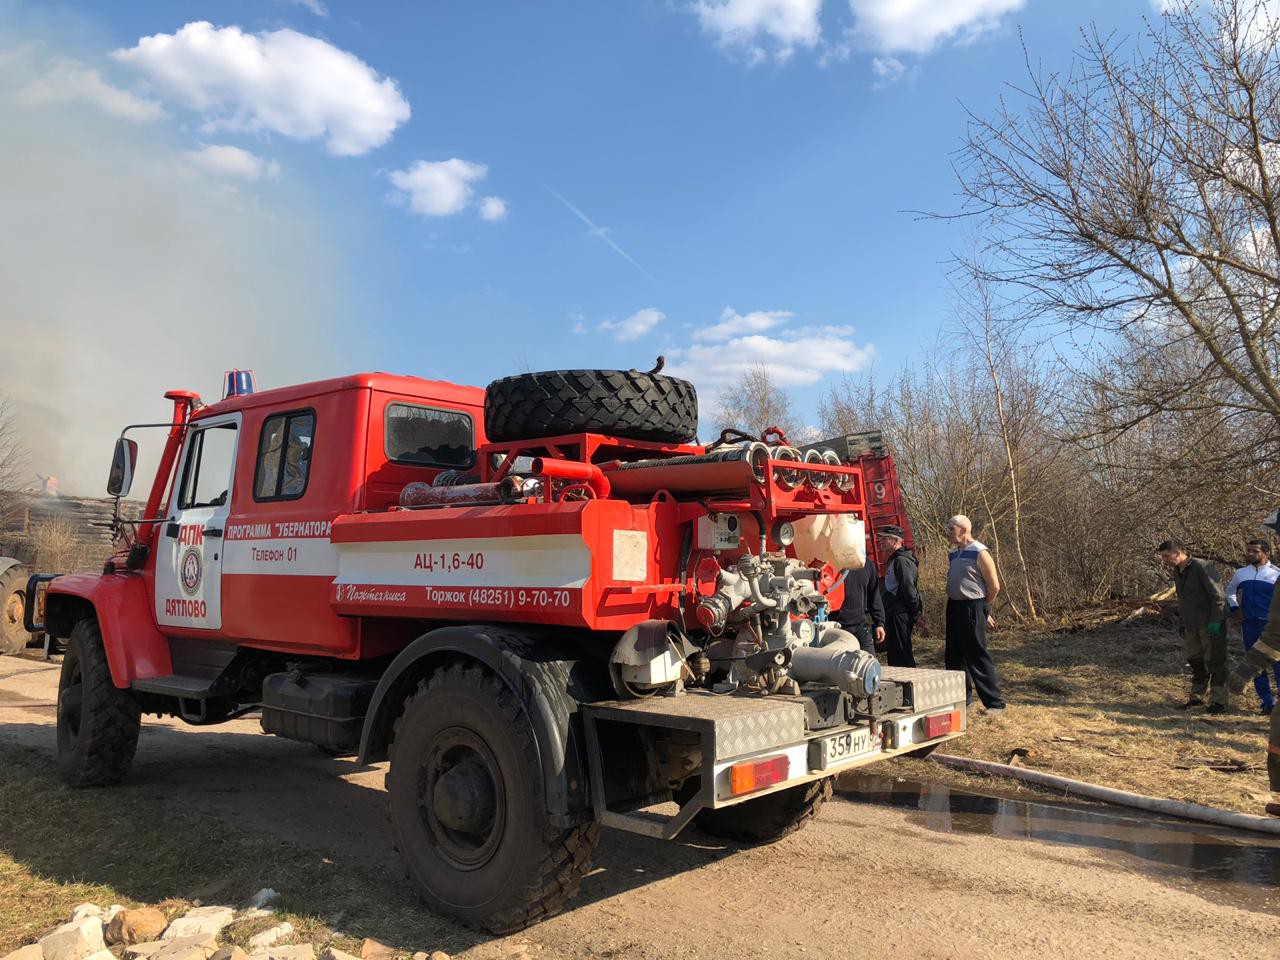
x=619, y=403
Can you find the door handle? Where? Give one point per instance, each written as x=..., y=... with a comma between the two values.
x=213, y=531
x=171, y=530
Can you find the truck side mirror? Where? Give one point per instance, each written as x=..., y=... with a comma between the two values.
x=123, y=462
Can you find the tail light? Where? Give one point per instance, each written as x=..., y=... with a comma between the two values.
x=755, y=775
x=941, y=724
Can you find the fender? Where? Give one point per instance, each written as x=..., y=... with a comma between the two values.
x=135, y=648
x=8, y=563
x=550, y=680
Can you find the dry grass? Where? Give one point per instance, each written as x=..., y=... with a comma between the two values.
x=1094, y=700
x=60, y=848
x=60, y=545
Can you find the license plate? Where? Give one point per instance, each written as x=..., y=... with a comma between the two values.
x=836, y=749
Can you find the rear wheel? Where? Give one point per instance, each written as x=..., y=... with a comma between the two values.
x=13, y=602
x=468, y=806
x=98, y=723
x=767, y=818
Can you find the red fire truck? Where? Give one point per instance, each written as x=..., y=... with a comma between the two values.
x=544, y=603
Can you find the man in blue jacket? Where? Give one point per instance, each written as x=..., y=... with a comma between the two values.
x=1249, y=598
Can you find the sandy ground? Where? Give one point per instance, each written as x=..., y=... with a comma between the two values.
x=861, y=881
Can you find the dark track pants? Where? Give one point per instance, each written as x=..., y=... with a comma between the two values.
x=966, y=649
x=899, y=624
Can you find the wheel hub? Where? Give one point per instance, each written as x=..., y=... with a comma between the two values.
x=462, y=801
x=13, y=610
x=464, y=798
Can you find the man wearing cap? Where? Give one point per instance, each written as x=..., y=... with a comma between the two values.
x=903, y=606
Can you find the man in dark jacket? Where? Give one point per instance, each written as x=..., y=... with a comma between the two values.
x=903, y=606
x=1202, y=607
x=862, y=613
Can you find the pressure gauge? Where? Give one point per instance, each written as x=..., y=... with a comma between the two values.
x=784, y=534
x=805, y=631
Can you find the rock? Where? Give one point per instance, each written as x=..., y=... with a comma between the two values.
x=200, y=946
x=259, y=942
x=421, y=955
x=136, y=926
x=84, y=911
x=112, y=912
x=375, y=950
x=142, y=951
x=73, y=941
x=101, y=955
x=31, y=952
x=330, y=953
x=263, y=898
x=296, y=951
x=230, y=953
x=439, y=955
x=199, y=922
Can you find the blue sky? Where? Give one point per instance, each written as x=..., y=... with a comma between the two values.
x=748, y=161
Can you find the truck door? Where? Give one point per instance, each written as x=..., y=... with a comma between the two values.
x=190, y=545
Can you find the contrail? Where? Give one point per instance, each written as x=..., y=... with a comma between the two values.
x=603, y=234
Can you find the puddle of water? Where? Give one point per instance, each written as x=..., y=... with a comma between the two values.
x=1171, y=848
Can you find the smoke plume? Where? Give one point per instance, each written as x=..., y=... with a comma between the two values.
x=126, y=270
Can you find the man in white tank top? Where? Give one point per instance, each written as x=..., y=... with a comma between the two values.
x=972, y=585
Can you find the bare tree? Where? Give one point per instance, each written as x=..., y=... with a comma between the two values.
x=755, y=403
x=13, y=452
x=995, y=343
x=1137, y=196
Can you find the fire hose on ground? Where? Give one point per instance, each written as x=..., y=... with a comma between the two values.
x=1090, y=791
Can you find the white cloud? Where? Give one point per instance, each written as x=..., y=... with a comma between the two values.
x=750, y=25
x=889, y=70
x=280, y=81
x=917, y=26
x=70, y=81
x=439, y=189
x=493, y=208
x=733, y=324
x=794, y=359
x=233, y=162
x=635, y=326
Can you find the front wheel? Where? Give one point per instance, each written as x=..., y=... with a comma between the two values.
x=767, y=818
x=98, y=723
x=468, y=807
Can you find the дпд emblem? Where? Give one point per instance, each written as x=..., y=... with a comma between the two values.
x=190, y=571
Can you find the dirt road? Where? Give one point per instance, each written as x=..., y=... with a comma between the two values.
x=864, y=880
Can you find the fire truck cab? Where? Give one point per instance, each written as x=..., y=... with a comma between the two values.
x=545, y=603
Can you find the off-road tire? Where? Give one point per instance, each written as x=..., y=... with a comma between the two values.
x=535, y=868
x=13, y=595
x=98, y=726
x=619, y=403
x=767, y=818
